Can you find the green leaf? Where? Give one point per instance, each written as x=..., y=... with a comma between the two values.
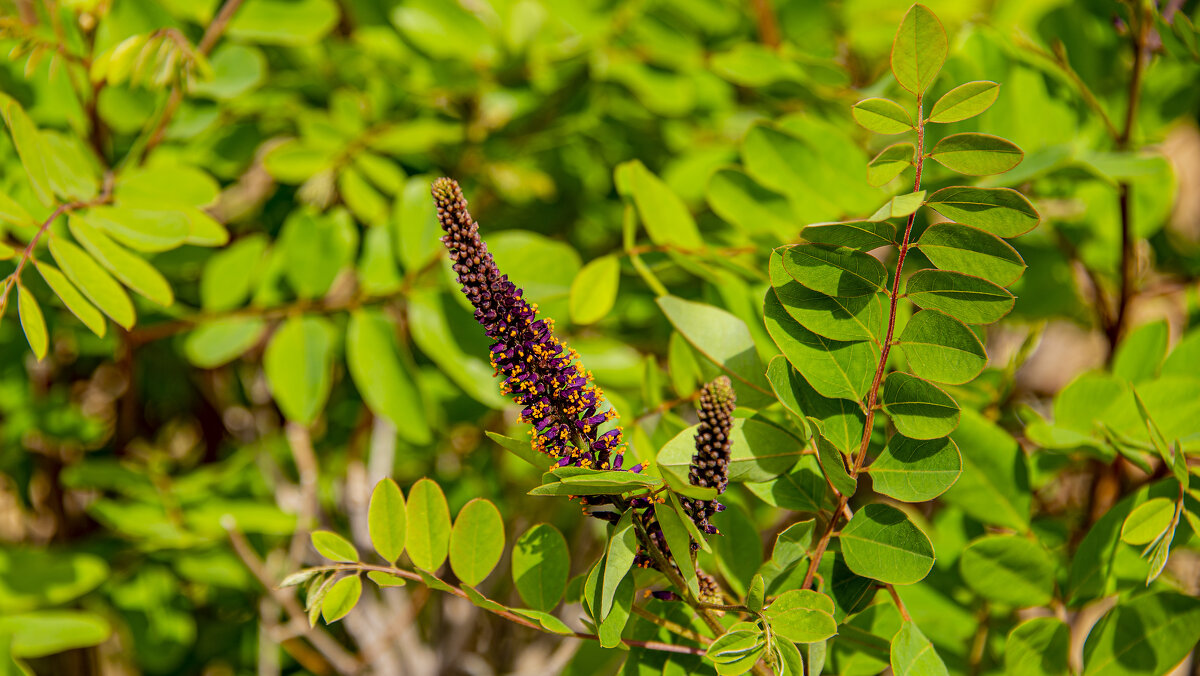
x=737, y=651
x=386, y=520
x=549, y=622
x=428, y=538
x=976, y=154
x=618, y=559
x=719, y=336
x=145, y=230
x=341, y=598
x=278, y=22
x=1140, y=354
x=803, y=489
x=363, y=200
x=912, y=470
x=679, y=548
x=1001, y=211
x=93, y=281
x=32, y=322
x=861, y=235
x=70, y=296
x=881, y=543
x=476, y=542
x=30, y=148
x=834, y=369
x=842, y=419
x=844, y=319
x=45, y=632
x=972, y=300
x=133, y=271
x=316, y=247
x=1009, y=569
x=740, y=200
x=965, y=101
x=230, y=274
x=941, y=348
x=541, y=565
x=382, y=376
x=890, y=163
x=298, y=362
x=900, y=206
x=665, y=217
x=913, y=655
x=521, y=449
x=802, y=615
x=793, y=543
x=166, y=186
x=833, y=465
x=218, y=342
x=739, y=550
x=33, y=578
x=756, y=594
x=386, y=579
x=994, y=486
x=972, y=251
x=882, y=116
x=1038, y=647
x=1150, y=634
x=919, y=49
x=835, y=271
x=758, y=451
x=333, y=546
x=918, y=408
x=594, y=290
x=1148, y=521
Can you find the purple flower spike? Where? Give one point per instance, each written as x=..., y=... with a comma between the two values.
x=542, y=374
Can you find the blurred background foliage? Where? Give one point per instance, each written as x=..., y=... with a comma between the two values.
x=278, y=154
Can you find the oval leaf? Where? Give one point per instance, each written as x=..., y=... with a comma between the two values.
x=1009, y=569
x=965, y=101
x=333, y=546
x=834, y=271
x=1038, y=647
x=476, y=542
x=428, y=537
x=919, y=49
x=881, y=543
x=844, y=319
x=133, y=271
x=882, y=116
x=890, y=163
x=93, y=281
x=1154, y=632
x=541, y=565
x=387, y=520
x=971, y=251
x=970, y=299
x=297, y=363
x=341, y=598
x=913, y=655
x=941, y=348
x=977, y=154
x=1148, y=521
x=594, y=290
x=839, y=370
x=32, y=322
x=1001, y=211
x=912, y=470
x=382, y=376
x=70, y=296
x=918, y=408
x=803, y=616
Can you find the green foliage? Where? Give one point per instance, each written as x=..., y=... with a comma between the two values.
x=966, y=388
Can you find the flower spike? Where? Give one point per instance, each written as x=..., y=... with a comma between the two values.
x=541, y=374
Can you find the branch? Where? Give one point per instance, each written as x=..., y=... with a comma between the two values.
x=503, y=612
x=207, y=42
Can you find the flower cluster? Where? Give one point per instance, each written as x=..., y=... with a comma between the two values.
x=541, y=374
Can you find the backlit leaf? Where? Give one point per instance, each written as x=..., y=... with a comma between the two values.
x=387, y=519
x=298, y=363
x=913, y=655
x=382, y=375
x=969, y=299
x=133, y=271
x=93, y=281
x=913, y=470
x=918, y=408
x=540, y=566
x=333, y=546
x=1001, y=211
x=882, y=116
x=976, y=154
x=594, y=290
x=341, y=598
x=941, y=348
x=834, y=271
x=890, y=163
x=973, y=252
x=428, y=536
x=32, y=322
x=919, y=49
x=1038, y=647
x=476, y=541
x=965, y=101
x=1154, y=632
x=1009, y=569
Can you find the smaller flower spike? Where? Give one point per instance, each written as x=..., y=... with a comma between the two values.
x=542, y=374
x=710, y=464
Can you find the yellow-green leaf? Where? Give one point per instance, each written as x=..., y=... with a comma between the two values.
x=93, y=281
x=132, y=270
x=70, y=296
x=32, y=322
x=919, y=49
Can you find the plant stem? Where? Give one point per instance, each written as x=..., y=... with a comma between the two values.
x=1139, y=30
x=885, y=348
x=899, y=604
x=506, y=614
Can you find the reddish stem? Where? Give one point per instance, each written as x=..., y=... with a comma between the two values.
x=885, y=349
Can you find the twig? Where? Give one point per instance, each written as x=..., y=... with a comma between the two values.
x=300, y=443
x=207, y=42
x=768, y=27
x=670, y=626
x=505, y=613
x=899, y=604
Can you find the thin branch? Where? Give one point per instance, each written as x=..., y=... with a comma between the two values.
x=207, y=42
x=899, y=604
x=503, y=612
x=670, y=626
x=300, y=443
x=768, y=26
